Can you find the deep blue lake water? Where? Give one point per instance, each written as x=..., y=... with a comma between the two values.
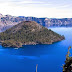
x=48, y=57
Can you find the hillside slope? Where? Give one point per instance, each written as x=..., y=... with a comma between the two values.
x=28, y=32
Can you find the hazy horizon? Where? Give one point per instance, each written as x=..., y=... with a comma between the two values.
x=37, y=8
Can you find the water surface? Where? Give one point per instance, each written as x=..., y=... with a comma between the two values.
x=48, y=57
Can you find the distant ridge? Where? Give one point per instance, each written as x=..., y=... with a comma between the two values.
x=8, y=21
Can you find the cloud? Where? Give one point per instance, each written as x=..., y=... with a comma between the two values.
x=33, y=2
x=14, y=9
x=64, y=6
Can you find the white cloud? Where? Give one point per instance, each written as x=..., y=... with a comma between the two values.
x=50, y=12
x=31, y=2
x=64, y=6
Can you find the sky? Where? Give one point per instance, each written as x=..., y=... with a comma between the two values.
x=37, y=8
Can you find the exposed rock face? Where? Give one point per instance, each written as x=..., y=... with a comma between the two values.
x=8, y=21
x=26, y=33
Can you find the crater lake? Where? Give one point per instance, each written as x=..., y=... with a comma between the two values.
x=48, y=57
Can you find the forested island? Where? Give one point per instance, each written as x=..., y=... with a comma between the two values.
x=28, y=33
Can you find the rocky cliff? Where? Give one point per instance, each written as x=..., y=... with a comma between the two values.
x=8, y=21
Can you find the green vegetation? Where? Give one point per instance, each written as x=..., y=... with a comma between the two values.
x=67, y=67
x=28, y=32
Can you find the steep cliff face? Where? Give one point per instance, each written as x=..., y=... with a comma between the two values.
x=8, y=21
x=50, y=22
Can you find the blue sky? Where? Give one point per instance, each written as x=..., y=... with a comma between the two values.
x=37, y=8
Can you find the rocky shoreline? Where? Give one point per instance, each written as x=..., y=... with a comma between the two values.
x=18, y=45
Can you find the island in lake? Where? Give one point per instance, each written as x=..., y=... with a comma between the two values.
x=28, y=33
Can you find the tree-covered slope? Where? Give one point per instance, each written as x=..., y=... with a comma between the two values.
x=28, y=32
